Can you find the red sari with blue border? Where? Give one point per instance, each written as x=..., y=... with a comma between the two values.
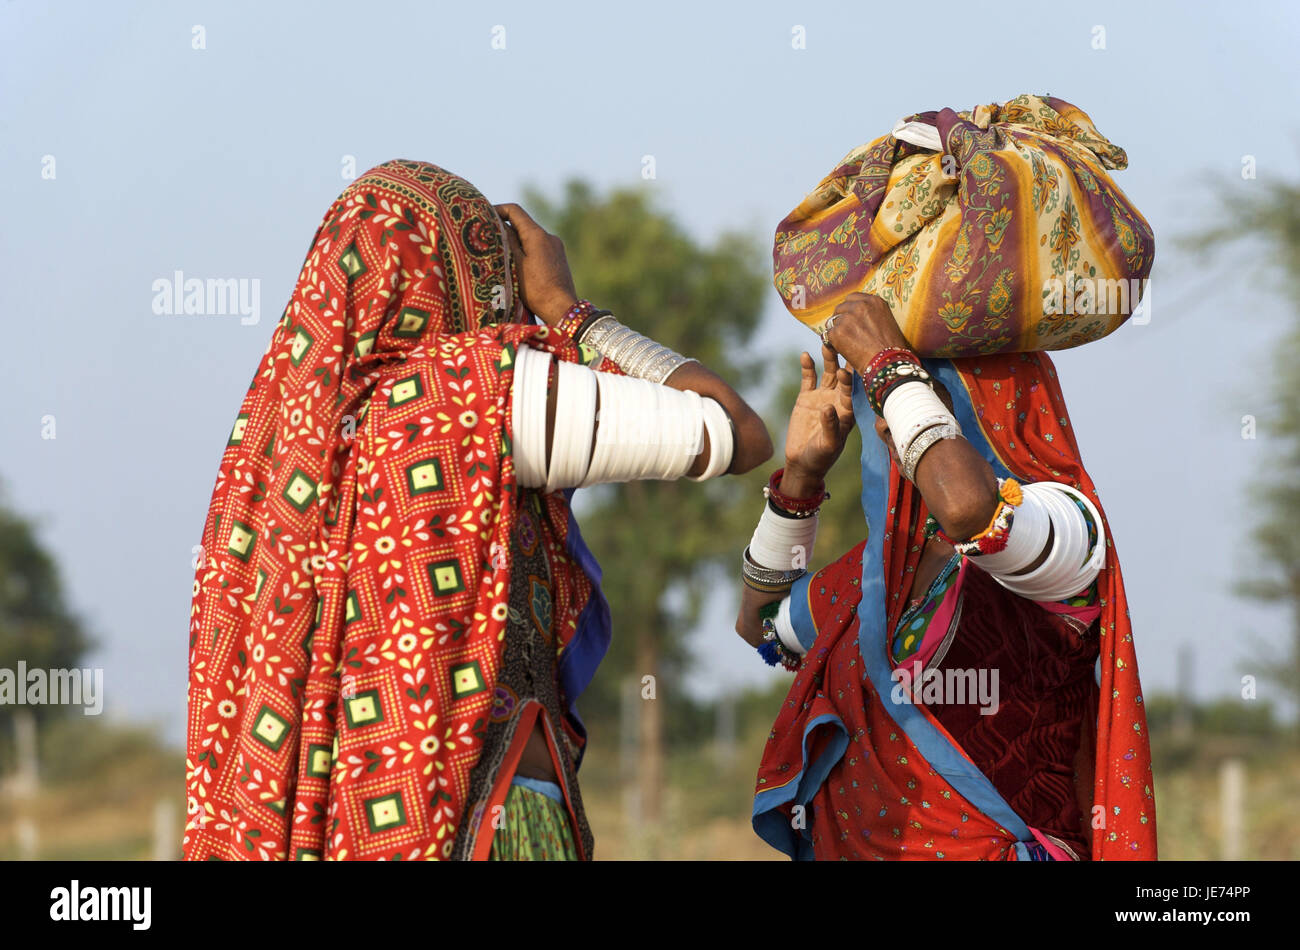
x=854, y=770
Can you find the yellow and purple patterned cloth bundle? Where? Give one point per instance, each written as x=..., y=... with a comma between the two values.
x=1001, y=232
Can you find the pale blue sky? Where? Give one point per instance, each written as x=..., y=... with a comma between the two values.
x=219, y=162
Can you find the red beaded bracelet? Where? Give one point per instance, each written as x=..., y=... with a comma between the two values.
x=888, y=355
x=799, y=507
x=571, y=323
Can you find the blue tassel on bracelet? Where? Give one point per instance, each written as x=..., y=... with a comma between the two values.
x=769, y=652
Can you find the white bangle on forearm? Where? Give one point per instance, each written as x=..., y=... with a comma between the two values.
x=782, y=544
x=910, y=409
x=1026, y=538
x=1070, y=565
x=785, y=628
x=528, y=408
x=645, y=431
x=575, y=417
x=721, y=441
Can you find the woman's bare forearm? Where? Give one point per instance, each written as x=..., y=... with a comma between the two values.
x=958, y=486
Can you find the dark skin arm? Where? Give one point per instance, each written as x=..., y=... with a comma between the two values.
x=546, y=285
x=957, y=484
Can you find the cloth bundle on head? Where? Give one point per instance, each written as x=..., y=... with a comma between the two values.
x=350, y=609
x=1000, y=232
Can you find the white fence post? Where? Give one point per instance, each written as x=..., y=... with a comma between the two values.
x=629, y=740
x=165, y=846
x=725, y=731
x=1232, y=794
x=26, y=783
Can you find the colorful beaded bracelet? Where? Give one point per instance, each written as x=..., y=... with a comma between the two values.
x=578, y=318
x=994, y=537
x=889, y=354
x=790, y=506
x=892, y=375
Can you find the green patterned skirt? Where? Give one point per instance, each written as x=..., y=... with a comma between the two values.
x=534, y=827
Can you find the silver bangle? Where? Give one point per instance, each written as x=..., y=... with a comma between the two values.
x=922, y=444
x=598, y=329
x=664, y=364
x=636, y=355
x=767, y=575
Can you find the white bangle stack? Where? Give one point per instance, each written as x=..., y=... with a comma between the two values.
x=576, y=388
x=1072, y=563
x=645, y=432
x=785, y=631
x=917, y=419
x=783, y=544
x=532, y=379
x=722, y=440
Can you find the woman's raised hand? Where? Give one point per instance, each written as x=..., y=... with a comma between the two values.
x=542, y=268
x=820, y=421
x=863, y=325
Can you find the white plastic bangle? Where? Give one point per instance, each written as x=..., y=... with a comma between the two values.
x=1071, y=565
x=785, y=628
x=528, y=398
x=645, y=431
x=1030, y=525
x=782, y=544
x=721, y=444
x=910, y=409
x=575, y=415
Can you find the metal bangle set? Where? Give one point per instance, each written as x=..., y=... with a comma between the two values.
x=924, y=441
x=635, y=354
x=765, y=579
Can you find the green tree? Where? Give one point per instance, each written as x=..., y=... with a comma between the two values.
x=1267, y=214
x=36, y=626
x=658, y=541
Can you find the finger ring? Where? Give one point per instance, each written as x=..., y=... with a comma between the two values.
x=826, y=328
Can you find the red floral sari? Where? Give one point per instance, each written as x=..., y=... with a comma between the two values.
x=371, y=572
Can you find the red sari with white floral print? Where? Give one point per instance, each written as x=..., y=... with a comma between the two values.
x=350, y=615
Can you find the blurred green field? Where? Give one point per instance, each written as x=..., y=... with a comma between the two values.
x=104, y=790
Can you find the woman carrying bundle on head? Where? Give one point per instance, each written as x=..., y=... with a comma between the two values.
x=966, y=684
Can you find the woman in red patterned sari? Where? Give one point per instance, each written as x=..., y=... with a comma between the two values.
x=395, y=613
x=966, y=685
